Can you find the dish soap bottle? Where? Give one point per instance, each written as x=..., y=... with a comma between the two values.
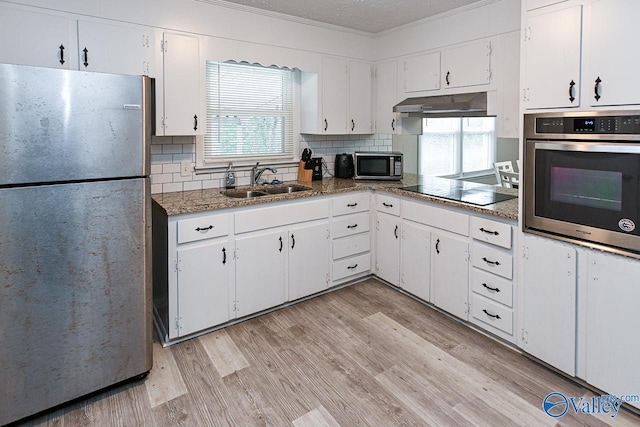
x=229, y=177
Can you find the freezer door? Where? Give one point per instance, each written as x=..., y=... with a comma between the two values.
x=65, y=125
x=75, y=293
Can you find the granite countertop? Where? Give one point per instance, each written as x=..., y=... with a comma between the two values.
x=183, y=202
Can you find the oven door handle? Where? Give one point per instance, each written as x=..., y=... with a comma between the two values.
x=590, y=147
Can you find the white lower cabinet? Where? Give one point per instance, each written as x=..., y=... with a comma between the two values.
x=415, y=258
x=260, y=271
x=308, y=259
x=450, y=267
x=612, y=316
x=203, y=285
x=548, y=302
x=388, y=231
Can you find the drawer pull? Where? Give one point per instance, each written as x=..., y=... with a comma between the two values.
x=490, y=288
x=352, y=205
x=495, y=233
x=205, y=228
x=352, y=226
x=280, y=250
x=351, y=267
x=495, y=316
x=395, y=232
x=224, y=256
x=387, y=205
x=490, y=262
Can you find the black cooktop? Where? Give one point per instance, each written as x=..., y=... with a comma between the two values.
x=461, y=191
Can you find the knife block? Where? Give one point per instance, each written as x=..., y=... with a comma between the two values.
x=304, y=175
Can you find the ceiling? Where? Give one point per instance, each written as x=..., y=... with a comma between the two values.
x=371, y=16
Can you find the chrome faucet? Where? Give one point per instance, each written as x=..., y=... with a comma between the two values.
x=257, y=173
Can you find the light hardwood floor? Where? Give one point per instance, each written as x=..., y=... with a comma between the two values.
x=365, y=355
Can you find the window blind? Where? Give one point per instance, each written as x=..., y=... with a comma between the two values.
x=249, y=112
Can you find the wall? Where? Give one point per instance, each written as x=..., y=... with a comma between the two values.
x=168, y=152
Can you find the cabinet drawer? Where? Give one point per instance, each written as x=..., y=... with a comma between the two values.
x=351, y=266
x=351, y=245
x=492, y=286
x=486, y=230
x=493, y=260
x=387, y=204
x=351, y=203
x=491, y=313
x=204, y=227
x=349, y=225
x=444, y=219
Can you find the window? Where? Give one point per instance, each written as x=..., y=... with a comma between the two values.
x=249, y=113
x=457, y=147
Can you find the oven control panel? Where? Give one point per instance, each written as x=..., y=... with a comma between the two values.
x=604, y=125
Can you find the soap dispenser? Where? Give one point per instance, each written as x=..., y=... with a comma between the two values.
x=229, y=177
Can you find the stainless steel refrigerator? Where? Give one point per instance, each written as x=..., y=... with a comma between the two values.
x=75, y=285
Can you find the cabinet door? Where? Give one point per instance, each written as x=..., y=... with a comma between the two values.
x=612, y=344
x=549, y=302
x=308, y=260
x=386, y=96
x=203, y=286
x=450, y=279
x=388, y=248
x=614, y=36
x=182, y=108
x=422, y=72
x=552, y=49
x=335, y=96
x=360, y=98
x=260, y=271
x=416, y=259
x=39, y=39
x=114, y=48
x=468, y=65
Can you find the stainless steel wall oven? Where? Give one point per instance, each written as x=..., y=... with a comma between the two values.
x=582, y=178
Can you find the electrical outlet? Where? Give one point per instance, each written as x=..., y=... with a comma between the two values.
x=186, y=168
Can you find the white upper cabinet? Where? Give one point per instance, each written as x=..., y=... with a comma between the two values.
x=386, y=96
x=612, y=69
x=421, y=73
x=113, y=48
x=34, y=38
x=180, y=94
x=536, y=4
x=552, y=53
x=344, y=103
x=360, y=98
x=466, y=65
x=335, y=95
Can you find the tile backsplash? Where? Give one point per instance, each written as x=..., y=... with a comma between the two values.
x=168, y=153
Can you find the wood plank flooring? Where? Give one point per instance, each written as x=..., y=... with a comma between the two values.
x=365, y=355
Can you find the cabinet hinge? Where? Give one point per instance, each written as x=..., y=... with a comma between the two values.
x=327, y=278
x=236, y=306
x=377, y=266
x=490, y=49
x=177, y=266
x=178, y=323
x=235, y=254
x=525, y=336
x=525, y=252
x=378, y=225
x=163, y=46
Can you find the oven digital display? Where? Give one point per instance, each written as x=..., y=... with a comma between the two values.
x=584, y=125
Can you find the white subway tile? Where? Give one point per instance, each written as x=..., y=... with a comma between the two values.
x=171, y=168
x=161, y=158
x=171, y=149
x=177, y=158
x=156, y=188
x=156, y=149
x=211, y=183
x=193, y=185
x=161, y=178
x=170, y=188
x=156, y=168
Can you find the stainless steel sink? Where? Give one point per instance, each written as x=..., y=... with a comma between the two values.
x=285, y=189
x=244, y=194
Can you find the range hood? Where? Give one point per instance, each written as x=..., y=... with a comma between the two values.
x=456, y=105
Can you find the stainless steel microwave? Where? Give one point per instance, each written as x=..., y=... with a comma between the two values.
x=378, y=165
